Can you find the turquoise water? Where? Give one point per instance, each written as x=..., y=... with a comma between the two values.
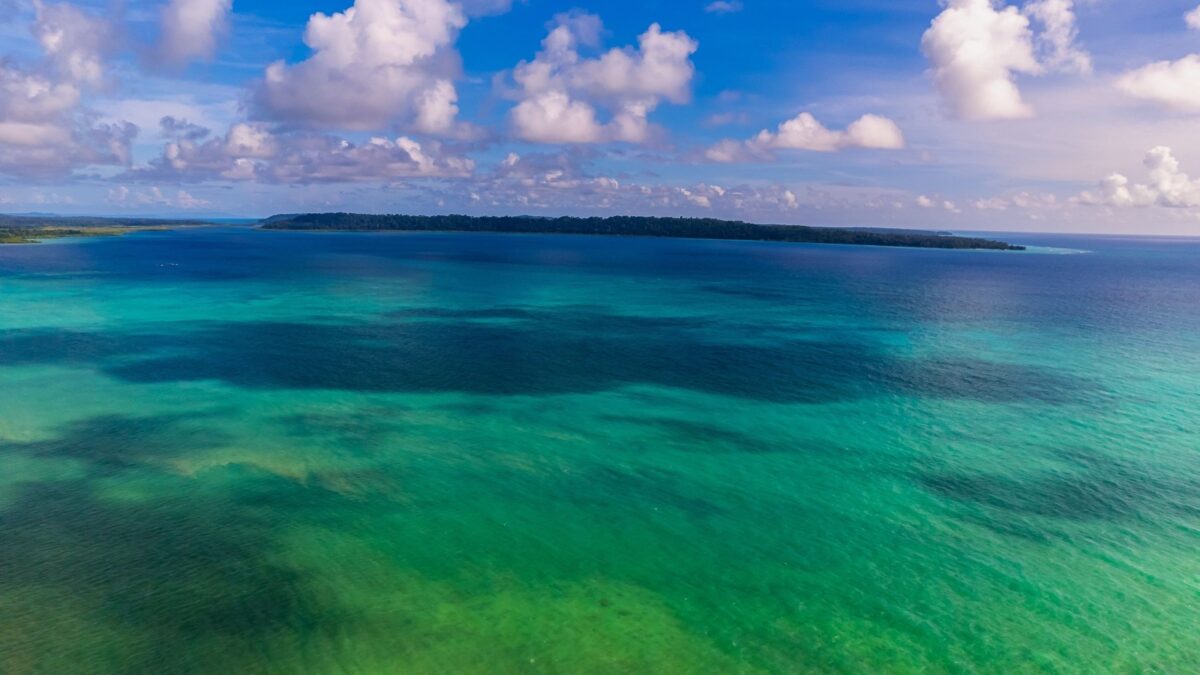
x=234, y=451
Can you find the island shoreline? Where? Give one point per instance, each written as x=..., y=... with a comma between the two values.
x=628, y=226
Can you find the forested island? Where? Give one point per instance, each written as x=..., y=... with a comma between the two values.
x=29, y=229
x=631, y=226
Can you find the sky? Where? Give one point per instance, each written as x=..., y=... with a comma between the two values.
x=1046, y=115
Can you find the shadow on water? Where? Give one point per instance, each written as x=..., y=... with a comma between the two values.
x=190, y=578
x=699, y=436
x=518, y=351
x=59, y=346
x=183, y=578
x=364, y=429
x=110, y=443
x=1091, y=487
x=174, y=578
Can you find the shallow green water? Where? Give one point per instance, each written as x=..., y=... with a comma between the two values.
x=229, y=451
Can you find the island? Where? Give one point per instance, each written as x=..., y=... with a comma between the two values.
x=631, y=226
x=30, y=229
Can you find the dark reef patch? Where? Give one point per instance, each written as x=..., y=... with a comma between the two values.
x=500, y=359
x=988, y=381
x=115, y=442
x=576, y=354
x=175, y=576
x=362, y=430
x=1072, y=497
x=56, y=346
x=699, y=436
x=543, y=352
x=1090, y=487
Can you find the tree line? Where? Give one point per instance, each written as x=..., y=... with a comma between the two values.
x=639, y=226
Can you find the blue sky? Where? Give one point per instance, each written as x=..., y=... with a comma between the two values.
x=1050, y=115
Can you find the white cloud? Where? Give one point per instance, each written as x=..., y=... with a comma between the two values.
x=926, y=202
x=1173, y=84
x=552, y=117
x=154, y=196
x=190, y=28
x=1059, y=34
x=33, y=99
x=729, y=150
x=561, y=92
x=43, y=127
x=723, y=7
x=992, y=204
x=1168, y=186
x=377, y=63
x=1021, y=200
x=976, y=51
x=1193, y=19
x=804, y=132
x=875, y=132
x=558, y=183
x=251, y=152
x=74, y=41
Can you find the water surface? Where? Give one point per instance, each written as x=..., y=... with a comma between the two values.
x=228, y=450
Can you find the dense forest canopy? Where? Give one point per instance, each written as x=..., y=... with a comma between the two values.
x=8, y=222
x=694, y=228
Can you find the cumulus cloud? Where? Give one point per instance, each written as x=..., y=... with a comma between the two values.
x=1168, y=186
x=44, y=128
x=74, y=42
x=377, y=63
x=975, y=51
x=978, y=49
x=804, y=132
x=176, y=128
x=723, y=7
x=251, y=152
x=561, y=93
x=1172, y=84
x=189, y=29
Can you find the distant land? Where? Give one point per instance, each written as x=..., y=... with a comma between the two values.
x=31, y=228
x=632, y=226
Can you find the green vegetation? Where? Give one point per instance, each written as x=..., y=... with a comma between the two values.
x=692, y=228
x=34, y=234
x=13, y=237
x=8, y=222
x=31, y=229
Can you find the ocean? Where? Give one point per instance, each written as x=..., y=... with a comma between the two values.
x=226, y=450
